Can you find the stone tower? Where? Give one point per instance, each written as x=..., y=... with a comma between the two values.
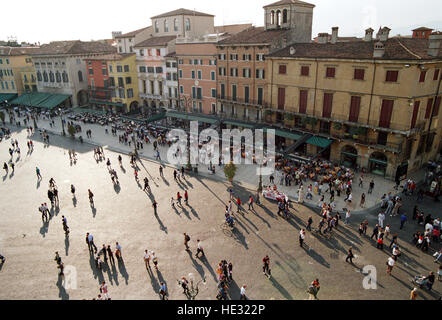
x=293, y=15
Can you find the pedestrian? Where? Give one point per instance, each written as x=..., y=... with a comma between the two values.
x=161, y=172
x=37, y=170
x=314, y=289
x=147, y=258
x=154, y=206
x=301, y=237
x=178, y=197
x=182, y=173
x=146, y=184
x=103, y=252
x=186, y=197
x=390, y=264
x=309, y=224
x=238, y=205
x=61, y=267
x=118, y=253
x=57, y=258
x=184, y=285
x=65, y=225
x=413, y=294
x=199, y=249
x=393, y=240
x=5, y=167
x=381, y=218
x=380, y=243
x=90, y=242
x=362, y=204
x=104, y=290
x=403, y=220
x=110, y=254
x=251, y=203
x=347, y=216
x=230, y=271
x=91, y=197
x=174, y=174
x=155, y=260
x=266, y=266
x=73, y=191
x=172, y=203
x=370, y=189
x=375, y=231
x=350, y=255
x=186, y=241
x=361, y=182
x=163, y=291
x=387, y=231
x=243, y=292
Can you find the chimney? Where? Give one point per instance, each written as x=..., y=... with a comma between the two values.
x=384, y=33
x=379, y=50
x=334, y=37
x=322, y=37
x=369, y=34
x=435, y=44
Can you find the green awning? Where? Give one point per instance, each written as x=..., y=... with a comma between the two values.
x=84, y=110
x=285, y=134
x=106, y=103
x=239, y=124
x=319, y=142
x=191, y=117
x=53, y=101
x=156, y=117
x=7, y=97
x=31, y=99
x=384, y=163
x=349, y=154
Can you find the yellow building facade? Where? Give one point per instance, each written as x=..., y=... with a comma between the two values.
x=379, y=102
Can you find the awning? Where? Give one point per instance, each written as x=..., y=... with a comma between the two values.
x=156, y=117
x=319, y=142
x=7, y=97
x=53, y=101
x=106, y=103
x=136, y=120
x=190, y=117
x=285, y=134
x=239, y=124
x=31, y=99
x=384, y=163
x=83, y=110
x=349, y=154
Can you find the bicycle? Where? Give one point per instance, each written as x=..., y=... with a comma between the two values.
x=227, y=228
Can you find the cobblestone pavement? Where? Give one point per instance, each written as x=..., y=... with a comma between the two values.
x=125, y=214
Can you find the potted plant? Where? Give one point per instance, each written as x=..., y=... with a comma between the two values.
x=268, y=115
x=229, y=171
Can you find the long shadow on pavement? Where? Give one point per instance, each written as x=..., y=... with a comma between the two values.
x=281, y=289
x=123, y=271
x=61, y=290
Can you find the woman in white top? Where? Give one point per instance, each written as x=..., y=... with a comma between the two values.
x=390, y=265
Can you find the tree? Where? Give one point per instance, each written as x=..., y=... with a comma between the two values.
x=229, y=171
x=72, y=131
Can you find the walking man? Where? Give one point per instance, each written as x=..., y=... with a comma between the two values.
x=37, y=170
x=147, y=258
x=266, y=266
x=186, y=197
x=199, y=249
x=161, y=172
x=370, y=189
x=243, y=292
x=301, y=237
x=186, y=241
x=350, y=255
x=381, y=218
x=251, y=203
x=110, y=254
x=146, y=184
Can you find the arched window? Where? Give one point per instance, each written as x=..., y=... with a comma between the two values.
x=45, y=76
x=187, y=24
x=272, y=17
x=80, y=76
x=58, y=77
x=284, y=16
x=157, y=29
x=39, y=77
x=65, y=77
x=175, y=24
x=166, y=26
x=51, y=76
x=278, y=18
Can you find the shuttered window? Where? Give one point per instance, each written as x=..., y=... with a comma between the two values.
x=355, y=106
x=327, y=105
x=282, y=69
x=330, y=73
x=428, y=110
x=392, y=76
x=303, y=95
x=422, y=76
x=436, y=107
x=436, y=74
x=386, y=112
x=305, y=70
x=415, y=113
x=281, y=98
x=359, y=74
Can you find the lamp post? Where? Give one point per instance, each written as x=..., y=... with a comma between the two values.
x=62, y=122
x=33, y=115
x=187, y=100
x=193, y=289
x=133, y=141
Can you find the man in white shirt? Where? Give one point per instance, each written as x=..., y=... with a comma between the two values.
x=390, y=264
x=147, y=258
x=381, y=218
x=347, y=217
x=243, y=293
x=199, y=249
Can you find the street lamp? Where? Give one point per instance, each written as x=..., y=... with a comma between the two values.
x=193, y=289
x=62, y=122
x=133, y=141
x=33, y=115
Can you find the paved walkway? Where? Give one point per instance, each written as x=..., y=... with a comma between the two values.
x=246, y=175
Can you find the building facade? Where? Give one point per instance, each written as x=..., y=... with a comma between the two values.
x=126, y=42
x=61, y=69
x=377, y=100
x=197, y=74
x=172, y=80
x=16, y=70
x=113, y=82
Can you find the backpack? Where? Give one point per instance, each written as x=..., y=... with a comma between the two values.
x=187, y=238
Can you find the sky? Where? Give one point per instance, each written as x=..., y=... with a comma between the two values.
x=49, y=20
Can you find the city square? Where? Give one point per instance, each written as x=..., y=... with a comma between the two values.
x=124, y=214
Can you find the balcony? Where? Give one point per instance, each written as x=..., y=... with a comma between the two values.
x=152, y=96
x=248, y=103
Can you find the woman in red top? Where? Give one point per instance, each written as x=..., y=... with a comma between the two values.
x=238, y=203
